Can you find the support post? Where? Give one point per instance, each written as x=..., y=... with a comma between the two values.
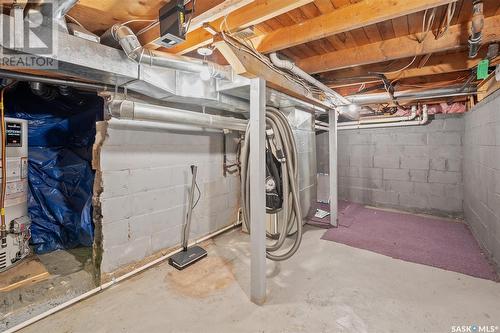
x=332, y=140
x=257, y=190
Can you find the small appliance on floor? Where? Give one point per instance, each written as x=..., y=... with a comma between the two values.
x=188, y=255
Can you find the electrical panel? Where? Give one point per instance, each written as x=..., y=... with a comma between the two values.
x=14, y=246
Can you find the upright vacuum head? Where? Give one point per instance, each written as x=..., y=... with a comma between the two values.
x=188, y=256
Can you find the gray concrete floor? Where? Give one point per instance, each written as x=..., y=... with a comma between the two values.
x=326, y=287
x=70, y=276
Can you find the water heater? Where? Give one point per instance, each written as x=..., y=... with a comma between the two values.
x=14, y=240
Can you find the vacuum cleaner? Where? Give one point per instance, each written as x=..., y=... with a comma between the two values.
x=188, y=255
x=282, y=185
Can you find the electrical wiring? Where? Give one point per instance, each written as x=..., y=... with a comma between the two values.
x=148, y=27
x=74, y=20
x=137, y=20
x=427, y=22
x=450, y=12
x=398, y=70
x=249, y=48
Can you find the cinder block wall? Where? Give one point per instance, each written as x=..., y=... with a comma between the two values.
x=414, y=168
x=482, y=173
x=143, y=178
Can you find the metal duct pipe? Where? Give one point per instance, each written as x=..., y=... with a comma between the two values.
x=44, y=79
x=43, y=91
x=57, y=10
x=140, y=111
x=380, y=98
x=337, y=99
x=134, y=50
x=380, y=120
x=422, y=121
x=142, y=125
x=476, y=28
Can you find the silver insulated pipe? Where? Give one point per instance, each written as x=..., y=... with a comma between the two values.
x=152, y=113
x=134, y=50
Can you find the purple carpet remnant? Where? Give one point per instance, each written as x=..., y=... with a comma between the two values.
x=425, y=240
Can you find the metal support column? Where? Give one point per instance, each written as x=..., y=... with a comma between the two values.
x=332, y=140
x=257, y=190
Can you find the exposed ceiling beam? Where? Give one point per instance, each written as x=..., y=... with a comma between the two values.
x=209, y=15
x=221, y=10
x=397, y=48
x=344, y=19
x=249, y=66
x=254, y=13
x=408, y=83
x=437, y=64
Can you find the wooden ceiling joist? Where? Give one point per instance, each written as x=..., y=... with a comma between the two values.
x=436, y=64
x=341, y=20
x=397, y=48
x=251, y=14
x=209, y=15
x=249, y=66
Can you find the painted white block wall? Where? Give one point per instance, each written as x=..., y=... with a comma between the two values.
x=145, y=179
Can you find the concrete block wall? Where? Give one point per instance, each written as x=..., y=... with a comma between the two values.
x=414, y=168
x=144, y=179
x=482, y=173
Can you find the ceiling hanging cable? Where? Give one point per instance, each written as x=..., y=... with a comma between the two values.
x=248, y=47
x=427, y=23
x=450, y=12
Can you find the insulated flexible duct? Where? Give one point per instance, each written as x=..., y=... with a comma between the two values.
x=285, y=147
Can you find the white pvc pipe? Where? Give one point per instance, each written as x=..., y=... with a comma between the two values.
x=337, y=99
x=425, y=118
x=378, y=120
x=113, y=282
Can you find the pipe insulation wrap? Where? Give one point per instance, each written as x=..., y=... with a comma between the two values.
x=139, y=111
x=290, y=214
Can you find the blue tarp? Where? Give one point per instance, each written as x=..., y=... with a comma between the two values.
x=61, y=135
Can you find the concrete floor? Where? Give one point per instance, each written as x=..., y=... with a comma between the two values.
x=326, y=287
x=70, y=276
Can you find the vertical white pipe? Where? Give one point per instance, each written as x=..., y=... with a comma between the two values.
x=332, y=140
x=257, y=191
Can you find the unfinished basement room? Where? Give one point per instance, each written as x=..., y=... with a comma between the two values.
x=267, y=166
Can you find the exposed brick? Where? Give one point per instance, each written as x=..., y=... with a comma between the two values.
x=410, y=162
x=445, y=138
x=444, y=177
x=397, y=174
x=438, y=164
x=386, y=161
x=420, y=176
x=399, y=186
